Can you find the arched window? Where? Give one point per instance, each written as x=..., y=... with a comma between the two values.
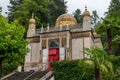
x=54, y=44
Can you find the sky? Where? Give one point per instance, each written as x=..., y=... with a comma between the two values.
x=3, y=4
x=100, y=6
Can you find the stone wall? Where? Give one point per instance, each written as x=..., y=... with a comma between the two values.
x=77, y=48
x=32, y=57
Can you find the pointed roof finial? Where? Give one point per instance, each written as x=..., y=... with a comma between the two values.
x=32, y=20
x=48, y=25
x=85, y=7
x=66, y=10
x=32, y=15
x=42, y=26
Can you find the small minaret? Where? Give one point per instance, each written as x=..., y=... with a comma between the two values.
x=31, y=28
x=86, y=20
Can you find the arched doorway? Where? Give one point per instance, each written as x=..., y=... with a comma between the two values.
x=53, y=53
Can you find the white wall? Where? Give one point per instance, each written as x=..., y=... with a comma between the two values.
x=32, y=56
x=77, y=48
x=35, y=52
x=87, y=44
x=28, y=55
x=45, y=56
x=62, y=53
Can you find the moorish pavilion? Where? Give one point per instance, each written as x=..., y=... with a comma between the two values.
x=65, y=41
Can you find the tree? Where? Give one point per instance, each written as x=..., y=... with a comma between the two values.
x=114, y=9
x=116, y=41
x=12, y=8
x=99, y=59
x=0, y=10
x=78, y=15
x=57, y=7
x=43, y=10
x=109, y=27
x=95, y=18
x=113, y=12
x=12, y=44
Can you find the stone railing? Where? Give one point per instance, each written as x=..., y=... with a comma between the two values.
x=61, y=28
x=8, y=75
x=47, y=75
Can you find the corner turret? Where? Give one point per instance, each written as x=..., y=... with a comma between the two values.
x=86, y=20
x=31, y=28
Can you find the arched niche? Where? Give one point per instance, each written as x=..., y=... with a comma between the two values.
x=54, y=44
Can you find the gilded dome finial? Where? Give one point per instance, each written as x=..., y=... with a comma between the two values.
x=86, y=12
x=32, y=20
x=32, y=15
x=85, y=7
x=66, y=10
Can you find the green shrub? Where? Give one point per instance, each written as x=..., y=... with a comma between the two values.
x=116, y=66
x=72, y=70
x=7, y=68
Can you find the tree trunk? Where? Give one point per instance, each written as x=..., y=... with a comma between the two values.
x=119, y=49
x=97, y=73
x=0, y=66
x=109, y=37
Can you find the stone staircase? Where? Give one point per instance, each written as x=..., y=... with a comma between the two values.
x=39, y=75
x=18, y=75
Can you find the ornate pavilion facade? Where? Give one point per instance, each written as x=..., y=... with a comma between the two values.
x=65, y=41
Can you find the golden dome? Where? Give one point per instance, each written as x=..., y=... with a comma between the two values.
x=86, y=13
x=32, y=21
x=65, y=20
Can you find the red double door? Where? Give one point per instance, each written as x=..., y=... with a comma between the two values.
x=53, y=56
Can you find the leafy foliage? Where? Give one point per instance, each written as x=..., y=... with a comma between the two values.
x=95, y=18
x=43, y=10
x=116, y=62
x=13, y=7
x=100, y=59
x=113, y=25
x=111, y=22
x=78, y=16
x=72, y=70
x=114, y=9
x=0, y=10
x=12, y=44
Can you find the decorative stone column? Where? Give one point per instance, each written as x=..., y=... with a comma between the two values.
x=60, y=42
x=48, y=28
x=68, y=47
x=41, y=53
x=41, y=29
x=47, y=44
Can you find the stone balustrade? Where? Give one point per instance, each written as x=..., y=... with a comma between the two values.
x=55, y=29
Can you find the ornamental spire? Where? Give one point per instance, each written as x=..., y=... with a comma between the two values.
x=32, y=20
x=85, y=7
x=32, y=15
x=66, y=10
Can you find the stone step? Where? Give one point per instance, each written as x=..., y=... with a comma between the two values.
x=38, y=75
x=19, y=75
x=27, y=75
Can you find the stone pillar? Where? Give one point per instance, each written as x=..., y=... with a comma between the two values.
x=40, y=42
x=48, y=28
x=68, y=47
x=60, y=42
x=41, y=53
x=19, y=69
x=83, y=45
x=47, y=44
x=42, y=29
